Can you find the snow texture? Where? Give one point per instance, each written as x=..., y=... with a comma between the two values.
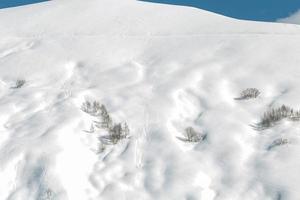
x=169, y=72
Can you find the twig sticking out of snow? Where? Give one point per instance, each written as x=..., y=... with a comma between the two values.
x=249, y=93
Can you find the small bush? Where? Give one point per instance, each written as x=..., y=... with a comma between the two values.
x=116, y=131
x=249, y=93
x=19, y=83
x=106, y=121
x=273, y=116
x=92, y=108
x=192, y=136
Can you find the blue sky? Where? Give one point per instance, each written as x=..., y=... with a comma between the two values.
x=259, y=10
x=12, y=3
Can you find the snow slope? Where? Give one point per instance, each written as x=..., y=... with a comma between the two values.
x=161, y=69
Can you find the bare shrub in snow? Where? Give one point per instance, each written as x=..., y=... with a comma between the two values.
x=106, y=121
x=92, y=108
x=95, y=109
x=273, y=116
x=278, y=142
x=249, y=93
x=192, y=136
x=19, y=83
x=116, y=131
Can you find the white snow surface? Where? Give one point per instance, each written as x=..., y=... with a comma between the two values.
x=160, y=69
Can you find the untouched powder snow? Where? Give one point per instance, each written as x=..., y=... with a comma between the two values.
x=161, y=69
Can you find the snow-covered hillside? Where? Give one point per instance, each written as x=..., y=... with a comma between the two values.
x=165, y=71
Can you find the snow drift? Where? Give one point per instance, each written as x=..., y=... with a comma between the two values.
x=168, y=72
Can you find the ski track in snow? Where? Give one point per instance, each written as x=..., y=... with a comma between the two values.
x=16, y=49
